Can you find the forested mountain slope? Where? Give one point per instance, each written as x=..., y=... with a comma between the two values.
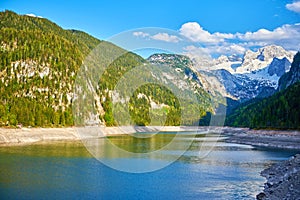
x=39, y=62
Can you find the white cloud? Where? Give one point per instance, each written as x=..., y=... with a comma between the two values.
x=224, y=49
x=199, y=41
x=159, y=36
x=287, y=36
x=194, y=32
x=229, y=49
x=224, y=35
x=284, y=32
x=165, y=37
x=295, y=6
x=141, y=34
x=33, y=15
x=199, y=51
x=200, y=55
x=253, y=44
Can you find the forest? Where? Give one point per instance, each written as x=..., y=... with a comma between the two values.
x=38, y=65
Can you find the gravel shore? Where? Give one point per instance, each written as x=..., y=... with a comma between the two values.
x=283, y=180
x=264, y=138
x=26, y=136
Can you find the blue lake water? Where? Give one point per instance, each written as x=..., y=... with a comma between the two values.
x=66, y=170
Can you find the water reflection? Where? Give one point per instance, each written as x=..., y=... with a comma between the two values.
x=53, y=149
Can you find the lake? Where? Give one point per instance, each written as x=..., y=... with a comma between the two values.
x=67, y=170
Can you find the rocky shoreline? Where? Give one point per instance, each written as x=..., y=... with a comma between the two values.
x=283, y=180
x=281, y=139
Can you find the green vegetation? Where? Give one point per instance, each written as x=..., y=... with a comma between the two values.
x=38, y=65
x=280, y=111
x=37, y=68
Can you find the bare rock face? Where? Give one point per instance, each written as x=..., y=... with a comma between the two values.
x=283, y=180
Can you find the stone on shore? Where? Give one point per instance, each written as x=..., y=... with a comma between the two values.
x=283, y=180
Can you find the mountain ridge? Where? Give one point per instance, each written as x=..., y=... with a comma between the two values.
x=251, y=74
x=38, y=66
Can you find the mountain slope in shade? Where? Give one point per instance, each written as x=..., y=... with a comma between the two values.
x=281, y=110
x=292, y=76
x=279, y=66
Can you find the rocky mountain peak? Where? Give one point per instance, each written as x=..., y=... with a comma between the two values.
x=260, y=59
x=249, y=56
x=272, y=51
x=222, y=59
x=170, y=59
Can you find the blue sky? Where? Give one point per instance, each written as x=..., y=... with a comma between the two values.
x=207, y=23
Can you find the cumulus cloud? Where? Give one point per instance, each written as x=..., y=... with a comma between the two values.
x=159, y=36
x=165, y=37
x=228, y=49
x=284, y=32
x=295, y=6
x=287, y=36
x=141, y=34
x=197, y=40
x=200, y=55
x=194, y=32
x=225, y=48
x=199, y=51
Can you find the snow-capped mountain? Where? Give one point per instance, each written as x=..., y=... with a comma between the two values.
x=242, y=87
x=254, y=61
x=256, y=74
